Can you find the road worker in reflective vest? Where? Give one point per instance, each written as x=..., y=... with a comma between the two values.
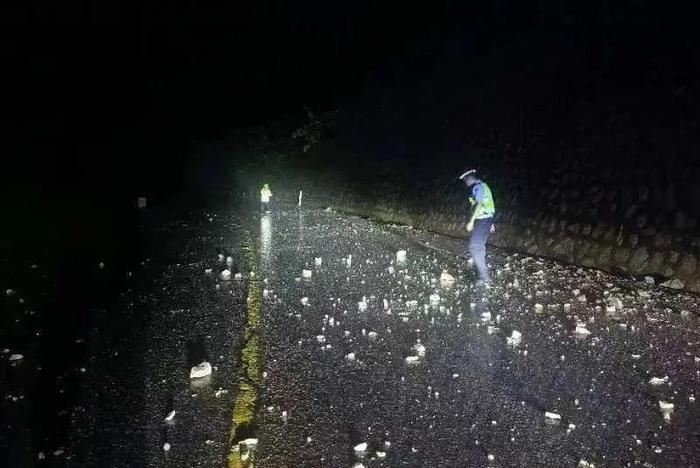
x=480, y=223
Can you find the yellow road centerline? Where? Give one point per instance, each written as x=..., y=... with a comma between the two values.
x=246, y=401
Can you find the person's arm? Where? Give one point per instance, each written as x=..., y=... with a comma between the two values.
x=478, y=208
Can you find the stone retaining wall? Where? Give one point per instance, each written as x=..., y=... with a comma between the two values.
x=599, y=247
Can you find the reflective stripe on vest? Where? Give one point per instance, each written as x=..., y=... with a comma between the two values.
x=489, y=207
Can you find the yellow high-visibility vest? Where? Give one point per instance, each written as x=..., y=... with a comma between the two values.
x=488, y=205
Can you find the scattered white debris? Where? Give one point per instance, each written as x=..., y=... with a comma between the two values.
x=585, y=464
x=321, y=338
x=318, y=261
x=412, y=360
x=166, y=446
x=673, y=284
x=419, y=348
x=552, y=416
x=225, y=275
x=401, y=256
x=16, y=357
x=350, y=357
x=372, y=335
x=201, y=370
x=306, y=274
x=170, y=416
x=305, y=301
x=616, y=302
x=666, y=409
x=360, y=449
x=515, y=338
x=446, y=280
x=539, y=308
x=220, y=392
x=581, y=329
x=657, y=381
x=250, y=442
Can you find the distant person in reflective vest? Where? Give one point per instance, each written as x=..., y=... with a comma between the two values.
x=480, y=223
x=265, y=195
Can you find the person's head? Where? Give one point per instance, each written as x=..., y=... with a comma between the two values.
x=469, y=177
x=470, y=180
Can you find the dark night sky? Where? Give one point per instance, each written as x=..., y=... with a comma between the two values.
x=254, y=58
x=108, y=83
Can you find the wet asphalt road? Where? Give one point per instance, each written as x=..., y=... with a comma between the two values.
x=180, y=315
x=361, y=353
x=338, y=365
